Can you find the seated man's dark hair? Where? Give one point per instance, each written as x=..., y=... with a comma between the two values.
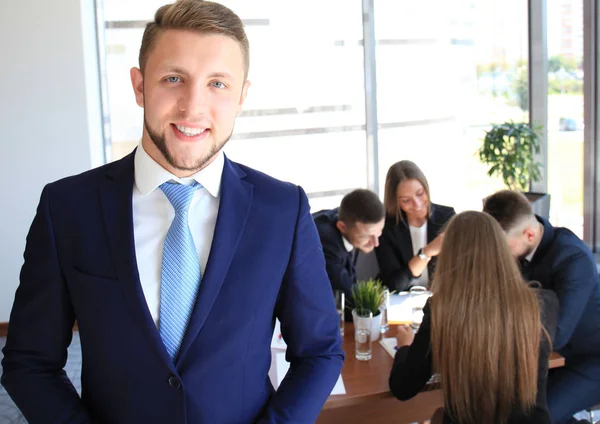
x=361, y=205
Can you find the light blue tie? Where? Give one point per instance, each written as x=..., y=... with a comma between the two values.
x=180, y=277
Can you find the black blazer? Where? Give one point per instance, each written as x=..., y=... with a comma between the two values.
x=413, y=364
x=395, y=248
x=564, y=264
x=339, y=262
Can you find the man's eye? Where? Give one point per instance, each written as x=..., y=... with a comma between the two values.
x=218, y=84
x=173, y=79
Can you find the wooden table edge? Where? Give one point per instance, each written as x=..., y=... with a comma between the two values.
x=340, y=401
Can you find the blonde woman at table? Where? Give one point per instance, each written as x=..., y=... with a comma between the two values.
x=412, y=235
x=485, y=332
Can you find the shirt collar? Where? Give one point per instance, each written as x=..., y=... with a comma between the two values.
x=347, y=244
x=530, y=256
x=149, y=174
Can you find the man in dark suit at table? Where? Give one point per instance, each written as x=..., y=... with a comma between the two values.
x=560, y=261
x=175, y=261
x=355, y=226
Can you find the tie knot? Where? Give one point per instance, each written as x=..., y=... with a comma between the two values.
x=179, y=195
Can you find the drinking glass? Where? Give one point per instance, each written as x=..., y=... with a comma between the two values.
x=340, y=304
x=384, y=326
x=417, y=297
x=363, y=322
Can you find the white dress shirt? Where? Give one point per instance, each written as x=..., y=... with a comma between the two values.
x=351, y=249
x=418, y=236
x=153, y=214
x=347, y=244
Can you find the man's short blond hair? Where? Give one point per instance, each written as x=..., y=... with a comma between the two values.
x=204, y=17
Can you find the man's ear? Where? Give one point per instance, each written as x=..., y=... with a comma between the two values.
x=341, y=226
x=243, y=97
x=529, y=234
x=137, y=81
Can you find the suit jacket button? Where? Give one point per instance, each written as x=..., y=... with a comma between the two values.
x=174, y=382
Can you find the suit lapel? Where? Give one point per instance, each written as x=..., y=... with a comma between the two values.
x=405, y=240
x=234, y=207
x=434, y=225
x=117, y=211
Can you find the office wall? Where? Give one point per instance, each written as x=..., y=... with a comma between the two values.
x=50, y=120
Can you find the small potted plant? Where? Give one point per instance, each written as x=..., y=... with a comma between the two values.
x=369, y=295
x=509, y=148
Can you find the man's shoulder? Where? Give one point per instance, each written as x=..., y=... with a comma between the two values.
x=566, y=255
x=566, y=244
x=266, y=183
x=88, y=179
x=327, y=228
x=326, y=223
x=326, y=217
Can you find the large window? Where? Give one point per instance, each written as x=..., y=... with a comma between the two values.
x=443, y=78
x=565, y=113
x=445, y=72
x=303, y=120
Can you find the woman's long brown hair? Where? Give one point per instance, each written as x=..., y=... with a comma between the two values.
x=485, y=324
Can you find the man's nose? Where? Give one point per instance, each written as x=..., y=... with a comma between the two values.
x=375, y=241
x=194, y=100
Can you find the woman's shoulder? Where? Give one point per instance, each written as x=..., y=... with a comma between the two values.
x=548, y=298
x=443, y=208
x=441, y=213
x=392, y=223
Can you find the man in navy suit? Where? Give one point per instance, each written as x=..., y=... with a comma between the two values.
x=112, y=248
x=355, y=226
x=561, y=262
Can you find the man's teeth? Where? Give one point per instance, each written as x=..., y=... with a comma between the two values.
x=190, y=131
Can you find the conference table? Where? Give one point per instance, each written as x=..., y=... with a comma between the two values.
x=368, y=398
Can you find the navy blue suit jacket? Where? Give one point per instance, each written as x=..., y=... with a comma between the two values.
x=265, y=263
x=564, y=264
x=395, y=248
x=339, y=262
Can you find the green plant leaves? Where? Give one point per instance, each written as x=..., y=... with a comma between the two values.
x=510, y=149
x=368, y=295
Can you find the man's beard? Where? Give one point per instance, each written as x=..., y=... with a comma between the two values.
x=159, y=141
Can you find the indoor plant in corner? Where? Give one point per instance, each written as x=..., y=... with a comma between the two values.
x=369, y=295
x=510, y=149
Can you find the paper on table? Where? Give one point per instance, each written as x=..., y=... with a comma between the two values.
x=279, y=368
x=400, y=309
x=339, y=388
x=389, y=344
x=400, y=314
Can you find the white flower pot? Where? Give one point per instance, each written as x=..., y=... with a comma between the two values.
x=375, y=328
x=375, y=325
